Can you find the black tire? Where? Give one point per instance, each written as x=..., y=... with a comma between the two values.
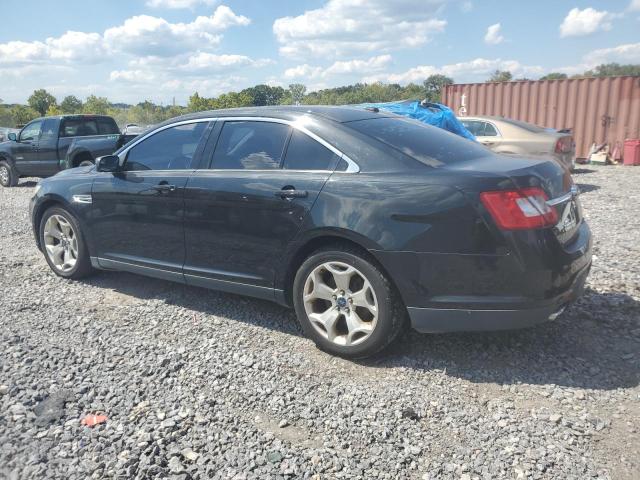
x=391, y=311
x=82, y=267
x=8, y=175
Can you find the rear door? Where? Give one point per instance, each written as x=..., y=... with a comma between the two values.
x=246, y=206
x=488, y=135
x=137, y=214
x=49, y=163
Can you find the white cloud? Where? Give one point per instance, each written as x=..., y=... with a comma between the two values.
x=344, y=27
x=585, y=22
x=70, y=47
x=132, y=76
x=146, y=35
x=142, y=35
x=493, y=37
x=174, y=4
x=627, y=53
x=634, y=6
x=476, y=70
x=466, y=7
x=209, y=62
x=350, y=67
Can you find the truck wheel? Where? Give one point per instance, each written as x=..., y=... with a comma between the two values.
x=8, y=175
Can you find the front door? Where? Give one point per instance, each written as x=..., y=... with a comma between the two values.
x=137, y=214
x=243, y=211
x=26, y=149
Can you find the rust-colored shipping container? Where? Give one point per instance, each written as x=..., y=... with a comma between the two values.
x=603, y=109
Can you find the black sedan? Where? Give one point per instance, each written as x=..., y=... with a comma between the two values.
x=360, y=220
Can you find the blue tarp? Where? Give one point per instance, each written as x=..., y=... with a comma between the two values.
x=434, y=114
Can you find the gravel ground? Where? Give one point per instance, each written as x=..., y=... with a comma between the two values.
x=198, y=384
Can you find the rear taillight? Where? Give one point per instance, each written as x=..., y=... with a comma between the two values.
x=520, y=209
x=564, y=145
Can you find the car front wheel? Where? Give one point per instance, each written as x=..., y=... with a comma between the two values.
x=8, y=176
x=345, y=304
x=63, y=244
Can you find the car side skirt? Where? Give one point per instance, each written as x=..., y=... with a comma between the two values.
x=265, y=293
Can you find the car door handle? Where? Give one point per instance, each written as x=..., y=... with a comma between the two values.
x=290, y=193
x=164, y=187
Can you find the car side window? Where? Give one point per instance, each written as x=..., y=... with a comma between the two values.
x=250, y=145
x=305, y=153
x=169, y=149
x=107, y=126
x=472, y=126
x=31, y=132
x=489, y=130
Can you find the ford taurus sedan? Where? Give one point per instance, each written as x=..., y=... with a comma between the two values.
x=361, y=220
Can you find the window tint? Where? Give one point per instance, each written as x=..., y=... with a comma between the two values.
x=429, y=145
x=79, y=127
x=472, y=126
x=489, y=130
x=305, y=153
x=250, y=145
x=107, y=126
x=169, y=149
x=31, y=132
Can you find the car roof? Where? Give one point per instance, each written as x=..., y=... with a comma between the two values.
x=340, y=114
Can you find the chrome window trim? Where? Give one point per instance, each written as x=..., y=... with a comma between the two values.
x=352, y=167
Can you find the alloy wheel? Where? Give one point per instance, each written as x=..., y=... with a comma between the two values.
x=61, y=243
x=340, y=303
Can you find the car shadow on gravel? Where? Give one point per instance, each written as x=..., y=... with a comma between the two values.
x=580, y=171
x=27, y=184
x=593, y=345
x=587, y=187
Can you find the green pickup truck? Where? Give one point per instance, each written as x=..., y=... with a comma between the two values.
x=47, y=145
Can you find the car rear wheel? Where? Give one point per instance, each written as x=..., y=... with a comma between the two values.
x=8, y=176
x=63, y=244
x=345, y=304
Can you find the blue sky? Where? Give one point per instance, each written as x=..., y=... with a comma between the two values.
x=134, y=50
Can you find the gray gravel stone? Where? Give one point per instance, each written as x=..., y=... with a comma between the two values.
x=196, y=383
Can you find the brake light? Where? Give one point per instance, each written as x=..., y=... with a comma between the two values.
x=520, y=209
x=564, y=145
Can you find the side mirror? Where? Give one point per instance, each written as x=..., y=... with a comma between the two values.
x=13, y=137
x=108, y=163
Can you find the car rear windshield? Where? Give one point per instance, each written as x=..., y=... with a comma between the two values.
x=530, y=127
x=430, y=145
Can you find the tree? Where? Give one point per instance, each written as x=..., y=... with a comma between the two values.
x=262, y=95
x=96, y=105
x=53, y=110
x=554, y=76
x=71, y=104
x=297, y=91
x=433, y=86
x=22, y=114
x=41, y=100
x=500, y=76
x=613, y=69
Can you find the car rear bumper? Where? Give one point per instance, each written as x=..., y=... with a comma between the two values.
x=432, y=320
